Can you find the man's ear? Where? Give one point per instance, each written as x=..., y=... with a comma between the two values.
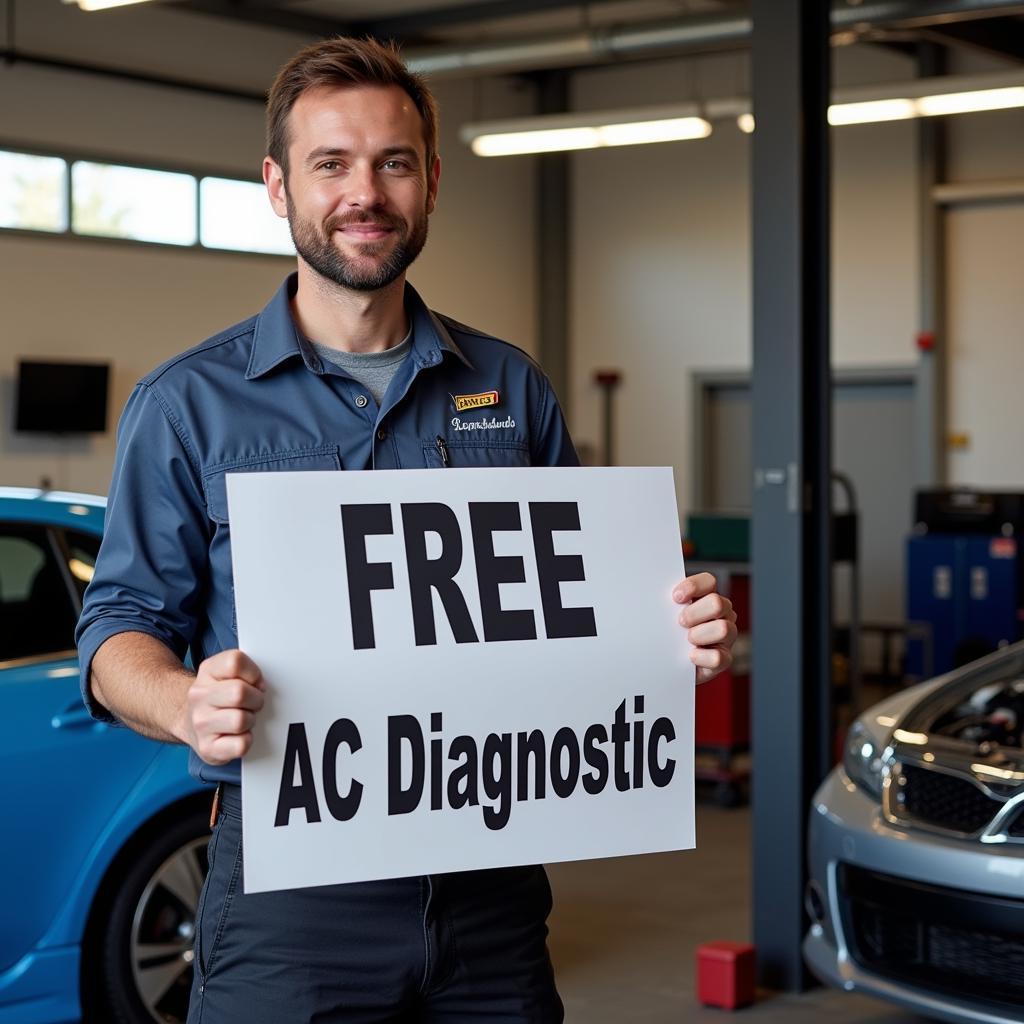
x=273, y=178
x=433, y=179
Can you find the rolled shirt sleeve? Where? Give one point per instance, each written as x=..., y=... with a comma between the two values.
x=151, y=571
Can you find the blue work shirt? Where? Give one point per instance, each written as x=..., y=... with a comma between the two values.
x=257, y=398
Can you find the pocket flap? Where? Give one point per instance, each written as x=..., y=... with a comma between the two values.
x=325, y=457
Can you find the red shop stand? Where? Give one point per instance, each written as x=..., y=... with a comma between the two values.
x=722, y=725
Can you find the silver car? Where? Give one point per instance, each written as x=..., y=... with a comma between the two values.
x=916, y=848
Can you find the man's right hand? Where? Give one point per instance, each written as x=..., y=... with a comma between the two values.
x=222, y=701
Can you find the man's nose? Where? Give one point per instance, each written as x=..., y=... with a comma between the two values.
x=364, y=189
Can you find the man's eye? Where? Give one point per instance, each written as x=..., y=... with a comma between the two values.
x=329, y=165
x=395, y=165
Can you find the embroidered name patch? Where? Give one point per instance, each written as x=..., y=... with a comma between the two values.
x=492, y=424
x=464, y=402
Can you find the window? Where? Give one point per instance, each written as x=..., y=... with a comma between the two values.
x=131, y=202
x=109, y=200
x=238, y=215
x=36, y=613
x=20, y=561
x=33, y=192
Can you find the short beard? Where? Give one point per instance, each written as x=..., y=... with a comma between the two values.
x=319, y=251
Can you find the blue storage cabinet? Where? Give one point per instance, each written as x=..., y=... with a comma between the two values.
x=966, y=588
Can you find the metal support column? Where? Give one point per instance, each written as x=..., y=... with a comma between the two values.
x=791, y=405
x=930, y=394
x=553, y=246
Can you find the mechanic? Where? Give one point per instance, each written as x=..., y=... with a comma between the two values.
x=345, y=368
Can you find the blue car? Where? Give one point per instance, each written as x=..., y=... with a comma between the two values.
x=105, y=836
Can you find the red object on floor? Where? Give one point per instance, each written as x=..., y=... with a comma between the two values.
x=725, y=974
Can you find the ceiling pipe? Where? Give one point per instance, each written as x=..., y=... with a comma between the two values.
x=604, y=45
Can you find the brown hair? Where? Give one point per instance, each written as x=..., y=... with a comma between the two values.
x=344, y=62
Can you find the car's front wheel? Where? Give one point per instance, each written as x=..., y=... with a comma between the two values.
x=143, y=943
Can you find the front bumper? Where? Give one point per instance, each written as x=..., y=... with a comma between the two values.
x=847, y=831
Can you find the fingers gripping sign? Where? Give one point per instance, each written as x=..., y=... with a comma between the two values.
x=710, y=622
x=223, y=701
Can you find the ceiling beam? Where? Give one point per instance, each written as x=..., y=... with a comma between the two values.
x=267, y=13
x=415, y=24
x=1003, y=37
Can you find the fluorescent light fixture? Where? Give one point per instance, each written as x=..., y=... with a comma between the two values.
x=970, y=102
x=921, y=97
x=102, y=5
x=563, y=132
x=639, y=133
x=928, y=97
x=550, y=140
x=871, y=111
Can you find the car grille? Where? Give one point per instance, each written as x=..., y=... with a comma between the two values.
x=964, y=944
x=944, y=801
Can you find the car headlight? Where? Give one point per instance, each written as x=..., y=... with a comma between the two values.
x=864, y=755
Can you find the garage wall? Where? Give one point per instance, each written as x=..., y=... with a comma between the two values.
x=661, y=281
x=661, y=237
x=986, y=305
x=986, y=332
x=137, y=305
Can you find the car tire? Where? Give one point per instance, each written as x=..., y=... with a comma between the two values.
x=142, y=944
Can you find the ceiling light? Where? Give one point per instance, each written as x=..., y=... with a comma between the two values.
x=541, y=140
x=669, y=129
x=102, y=5
x=562, y=132
x=871, y=111
x=921, y=97
x=969, y=102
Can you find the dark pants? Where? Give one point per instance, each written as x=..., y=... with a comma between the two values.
x=462, y=947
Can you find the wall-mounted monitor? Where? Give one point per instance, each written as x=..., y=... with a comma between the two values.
x=62, y=398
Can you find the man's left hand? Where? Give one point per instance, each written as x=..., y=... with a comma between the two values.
x=710, y=623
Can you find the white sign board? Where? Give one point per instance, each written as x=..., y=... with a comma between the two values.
x=465, y=669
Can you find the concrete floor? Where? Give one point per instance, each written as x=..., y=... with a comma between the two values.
x=624, y=959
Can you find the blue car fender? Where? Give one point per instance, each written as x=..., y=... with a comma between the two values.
x=164, y=783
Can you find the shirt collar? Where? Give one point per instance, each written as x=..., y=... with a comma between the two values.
x=275, y=337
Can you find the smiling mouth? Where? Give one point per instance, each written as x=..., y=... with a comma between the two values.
x=365, y=232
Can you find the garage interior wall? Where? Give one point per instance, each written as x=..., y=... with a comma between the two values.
x=985, y=262
x=138, y=305
x=661, y=252
x=660, y=239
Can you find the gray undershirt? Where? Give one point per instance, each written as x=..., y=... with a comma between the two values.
x=373, y=370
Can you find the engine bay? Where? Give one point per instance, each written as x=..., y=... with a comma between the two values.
x=992, y=714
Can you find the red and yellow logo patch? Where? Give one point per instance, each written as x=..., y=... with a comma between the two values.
x=464, y=402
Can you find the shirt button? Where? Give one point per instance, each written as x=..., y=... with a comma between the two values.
x=361, y=401
x=381, y=434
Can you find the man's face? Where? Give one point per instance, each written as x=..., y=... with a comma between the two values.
x=358, y=191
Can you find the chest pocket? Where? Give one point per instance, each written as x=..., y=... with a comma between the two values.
x=325, y=457
x=477, y=454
